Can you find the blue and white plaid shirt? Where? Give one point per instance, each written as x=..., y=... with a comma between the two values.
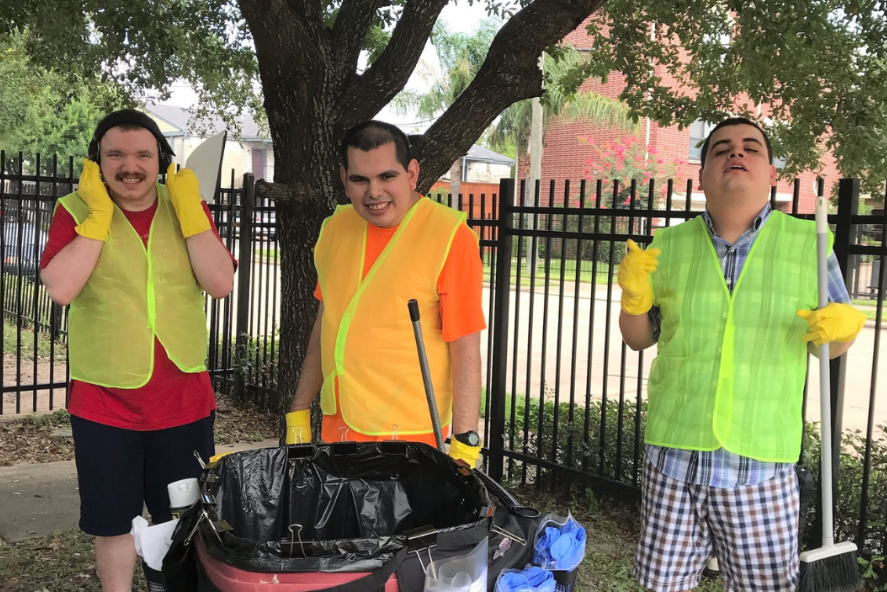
x=721, y=468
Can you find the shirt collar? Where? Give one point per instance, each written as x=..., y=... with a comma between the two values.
x=756, y=226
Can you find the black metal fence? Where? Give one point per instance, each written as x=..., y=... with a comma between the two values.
x=565, y=400
x=242, y=327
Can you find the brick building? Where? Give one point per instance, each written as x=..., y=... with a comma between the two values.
x=572, y=150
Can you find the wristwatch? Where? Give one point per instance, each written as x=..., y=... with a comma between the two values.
x=468, y=438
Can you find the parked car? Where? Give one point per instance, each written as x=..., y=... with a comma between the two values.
x=22, y=261
x=265, y=223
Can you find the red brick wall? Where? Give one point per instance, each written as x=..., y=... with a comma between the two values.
x=569, y=146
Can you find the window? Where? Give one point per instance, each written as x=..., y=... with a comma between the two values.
x=259, y=162
x=699, y=130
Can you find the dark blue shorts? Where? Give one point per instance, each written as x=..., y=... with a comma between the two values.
x=120, y=470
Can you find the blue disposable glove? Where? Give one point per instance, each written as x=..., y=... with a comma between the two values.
x=567, y=551
x=531, y=579
x=540, y=579
x=561, y=547
x=542, y=554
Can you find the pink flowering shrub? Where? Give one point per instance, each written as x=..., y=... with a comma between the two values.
x=626, y=160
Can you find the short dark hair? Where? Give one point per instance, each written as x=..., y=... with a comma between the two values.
x=372, y=134
x=736, y=121
x=130, y=120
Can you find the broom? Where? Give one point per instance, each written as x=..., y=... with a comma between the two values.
x=832, y=567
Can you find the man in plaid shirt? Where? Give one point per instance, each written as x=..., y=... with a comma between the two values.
x=726, y=389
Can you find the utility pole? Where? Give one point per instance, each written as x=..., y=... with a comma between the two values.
x=535, y=172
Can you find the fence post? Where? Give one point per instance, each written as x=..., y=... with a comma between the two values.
x=499, y=354
x=848, y=205
x=244, y=267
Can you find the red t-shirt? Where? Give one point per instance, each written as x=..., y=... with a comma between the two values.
x=171, y=397
x=460, y=289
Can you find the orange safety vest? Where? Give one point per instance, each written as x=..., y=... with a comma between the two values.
x=367, y=343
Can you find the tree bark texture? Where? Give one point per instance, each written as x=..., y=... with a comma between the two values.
x=313, y=94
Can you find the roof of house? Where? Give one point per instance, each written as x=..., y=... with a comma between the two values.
x=485, y=154
x=177, y=119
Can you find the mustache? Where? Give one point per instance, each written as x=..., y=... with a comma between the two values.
x=121, y=176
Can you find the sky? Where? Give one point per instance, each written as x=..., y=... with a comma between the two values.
x=458, y=18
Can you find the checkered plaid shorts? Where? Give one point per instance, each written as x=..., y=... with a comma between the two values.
x=753, y=530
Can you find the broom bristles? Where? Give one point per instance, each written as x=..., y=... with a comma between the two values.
x=837, y=573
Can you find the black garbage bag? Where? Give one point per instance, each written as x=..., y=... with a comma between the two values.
x=346, y=507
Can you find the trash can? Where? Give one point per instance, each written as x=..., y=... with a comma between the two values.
x=355, y=516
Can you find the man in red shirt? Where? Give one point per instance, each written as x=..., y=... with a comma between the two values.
x=133, y=259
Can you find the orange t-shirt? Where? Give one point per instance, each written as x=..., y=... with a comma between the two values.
x=460, y=288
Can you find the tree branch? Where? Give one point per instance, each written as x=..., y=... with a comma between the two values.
x=509, y=74
x=350, y=28
x=379, y=83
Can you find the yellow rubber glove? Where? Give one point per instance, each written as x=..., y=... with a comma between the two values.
x=837, y=321
x=220, y=455
x=298, y=427
x=184, y=191
x=464, y=452
x=634, y=278
x=101, y=209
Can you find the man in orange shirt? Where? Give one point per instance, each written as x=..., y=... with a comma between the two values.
x=389, y=246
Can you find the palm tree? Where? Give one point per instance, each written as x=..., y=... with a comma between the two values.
x=461, y=56
x=559, y=104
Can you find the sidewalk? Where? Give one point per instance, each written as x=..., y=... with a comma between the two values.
x=39, y=499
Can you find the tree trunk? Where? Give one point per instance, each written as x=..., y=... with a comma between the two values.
x=313, y=195
x=313, y=95
x=301, y=79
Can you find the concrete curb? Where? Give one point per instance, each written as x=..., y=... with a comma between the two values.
x=39, y=499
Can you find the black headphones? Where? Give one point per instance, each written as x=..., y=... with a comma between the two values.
x=134, y=117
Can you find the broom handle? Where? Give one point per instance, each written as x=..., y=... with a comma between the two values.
x=426, y=374
x=828, y=534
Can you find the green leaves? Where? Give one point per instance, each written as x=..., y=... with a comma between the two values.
x=818, y=64
x=45, y=112
x=460, y=56
x=565, y=71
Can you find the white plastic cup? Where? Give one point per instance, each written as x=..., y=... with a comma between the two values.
x=182, y=495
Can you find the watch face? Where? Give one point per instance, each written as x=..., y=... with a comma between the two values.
x=470, y=438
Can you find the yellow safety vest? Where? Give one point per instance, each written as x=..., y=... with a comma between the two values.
x=367, y=342
x=730, y=368
x=133, y=295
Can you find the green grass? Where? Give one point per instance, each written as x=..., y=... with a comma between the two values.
x=613, y=529
x=60, y=562
x=56, y=418
x=268, y=253
x=869, y=309
x=65, y=561
x=554, y=272
x=10, y=343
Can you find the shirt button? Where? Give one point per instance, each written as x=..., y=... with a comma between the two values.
x=729, y=281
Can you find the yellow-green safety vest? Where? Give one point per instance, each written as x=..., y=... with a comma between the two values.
x=367, y=342
x=730, y=369
x=133, y=295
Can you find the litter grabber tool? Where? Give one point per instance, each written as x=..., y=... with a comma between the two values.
x=413, y=306
x=511, y=504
